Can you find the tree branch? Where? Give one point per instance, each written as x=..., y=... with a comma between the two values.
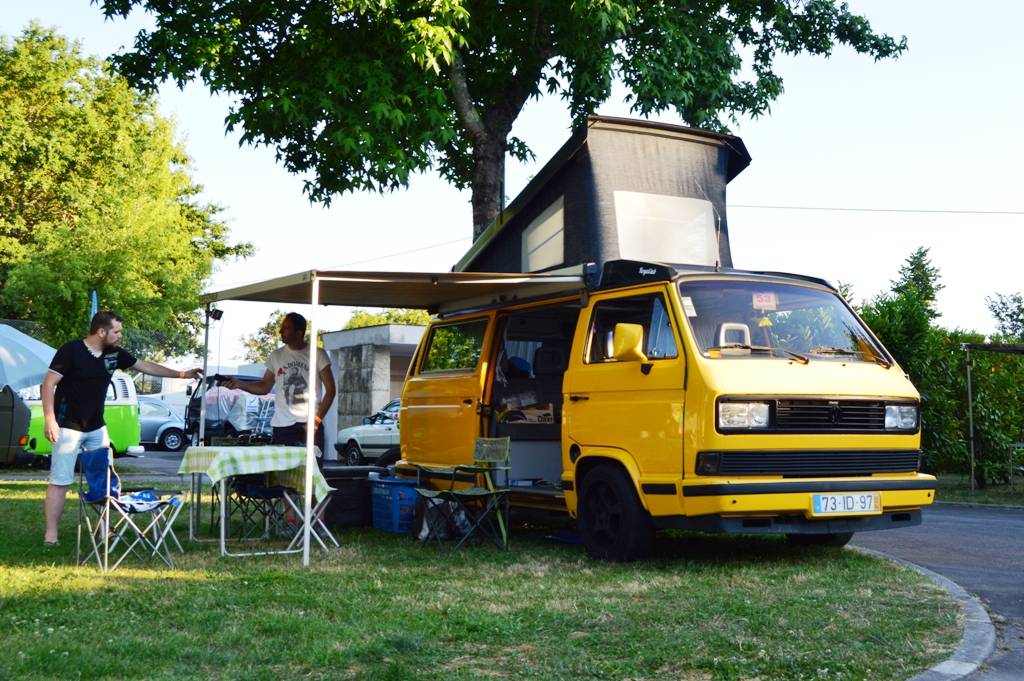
x=464, y=106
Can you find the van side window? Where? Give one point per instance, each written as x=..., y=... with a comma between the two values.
x=648, y=311
x=148, y=385
x=455, y=347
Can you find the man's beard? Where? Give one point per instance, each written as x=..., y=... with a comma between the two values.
x=108, y=346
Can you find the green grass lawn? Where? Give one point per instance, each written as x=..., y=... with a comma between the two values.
x=383, y=607
x=958, y=488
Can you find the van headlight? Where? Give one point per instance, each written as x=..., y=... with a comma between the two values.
x=742, y=415
x=900, y=417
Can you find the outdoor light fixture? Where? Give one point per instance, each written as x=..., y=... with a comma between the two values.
x=216, y=314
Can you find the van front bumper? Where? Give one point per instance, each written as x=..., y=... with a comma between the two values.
x=783, y=498
x=789, y=524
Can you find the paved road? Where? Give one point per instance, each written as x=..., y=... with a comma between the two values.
x=158, y=463
x=982, y=550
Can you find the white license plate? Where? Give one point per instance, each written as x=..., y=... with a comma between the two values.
x=853, y=503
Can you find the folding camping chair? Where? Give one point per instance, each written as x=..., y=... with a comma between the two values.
x=113, y=518
x=319, y=530
x=259, y=505
x=481, y=509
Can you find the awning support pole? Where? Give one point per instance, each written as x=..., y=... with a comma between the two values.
x=312, y=395
x=202, y=382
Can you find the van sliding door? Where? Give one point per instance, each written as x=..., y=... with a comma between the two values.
x=440, y=420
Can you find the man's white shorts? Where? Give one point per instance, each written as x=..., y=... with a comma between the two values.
x=66, y=449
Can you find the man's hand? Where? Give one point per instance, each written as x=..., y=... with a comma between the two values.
x=51, y=430
x=193, y=373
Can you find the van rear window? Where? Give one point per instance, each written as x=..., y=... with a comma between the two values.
x=455, y=347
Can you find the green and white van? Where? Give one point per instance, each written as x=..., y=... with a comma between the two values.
x=121, y=412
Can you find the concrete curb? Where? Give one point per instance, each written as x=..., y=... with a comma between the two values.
x=979, y=638
x=971, y=504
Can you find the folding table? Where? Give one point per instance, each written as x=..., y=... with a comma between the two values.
x=287, y=464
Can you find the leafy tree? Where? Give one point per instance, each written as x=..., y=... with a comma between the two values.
x=1009, y=315
x=846, y=291
x=95, y=194
x=363, y=318
x=918, y=278
x=904, y=319
x=358, y=95
x=267, y=338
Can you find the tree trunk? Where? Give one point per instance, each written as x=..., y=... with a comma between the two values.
x=488, y=183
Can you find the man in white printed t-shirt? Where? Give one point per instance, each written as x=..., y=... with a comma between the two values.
x=288, y=369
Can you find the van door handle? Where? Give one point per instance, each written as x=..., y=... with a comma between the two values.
x=578, y=398
x=467, y=401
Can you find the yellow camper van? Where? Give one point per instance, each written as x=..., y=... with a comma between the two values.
x=677, y=397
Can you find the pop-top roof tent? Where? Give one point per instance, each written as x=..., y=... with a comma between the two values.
x=619, y=189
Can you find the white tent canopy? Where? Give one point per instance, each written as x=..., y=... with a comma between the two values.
x=434, y=291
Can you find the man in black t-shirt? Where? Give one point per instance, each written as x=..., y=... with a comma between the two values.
x=73, y=395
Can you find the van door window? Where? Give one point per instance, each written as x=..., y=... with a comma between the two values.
x=455, y=347
x=148, y=385
x=648, y=311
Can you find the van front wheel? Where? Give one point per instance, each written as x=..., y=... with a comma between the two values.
x=613, y=524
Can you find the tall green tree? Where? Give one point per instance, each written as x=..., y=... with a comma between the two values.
x=267, y=338
x=1008, y=312
x=919, y=279
x=95, y=193
x=904, y=319
x=358, y=95
x=363, y=318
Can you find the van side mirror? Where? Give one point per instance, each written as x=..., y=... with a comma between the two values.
x=628, y=343
x=188, y=391
x=366, y=420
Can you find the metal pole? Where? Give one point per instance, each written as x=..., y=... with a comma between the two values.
x=311, y=397
x=202, y=381
x=197, y=480
x=970, y=414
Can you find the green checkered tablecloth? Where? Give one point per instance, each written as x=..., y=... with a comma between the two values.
x=286, y=463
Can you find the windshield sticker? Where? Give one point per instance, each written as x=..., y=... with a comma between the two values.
x=688, y=307
x=766, y=302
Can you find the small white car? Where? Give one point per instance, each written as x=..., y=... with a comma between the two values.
x=375, y=441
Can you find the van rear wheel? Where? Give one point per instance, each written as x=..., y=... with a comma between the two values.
x=836, y=539
x=613, y=524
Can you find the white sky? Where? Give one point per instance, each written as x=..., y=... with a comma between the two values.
x=939, y=129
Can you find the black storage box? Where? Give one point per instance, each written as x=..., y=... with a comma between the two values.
x=350, y=503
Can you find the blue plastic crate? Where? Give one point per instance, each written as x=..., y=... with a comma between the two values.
x=394, y=503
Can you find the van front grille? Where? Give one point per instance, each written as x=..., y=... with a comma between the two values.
x=814, y=416
x=818, y=463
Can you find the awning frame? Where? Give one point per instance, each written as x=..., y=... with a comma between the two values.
x=435, y=292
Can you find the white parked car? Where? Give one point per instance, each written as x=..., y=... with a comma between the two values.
x=373, y=442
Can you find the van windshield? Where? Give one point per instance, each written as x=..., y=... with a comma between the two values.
x=735, y=318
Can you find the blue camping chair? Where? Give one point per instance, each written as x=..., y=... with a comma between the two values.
x=119, y=521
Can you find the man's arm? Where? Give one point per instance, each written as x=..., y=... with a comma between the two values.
x=261, y=387
x=154, y=369
x=50, y=427
x=327, y=376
